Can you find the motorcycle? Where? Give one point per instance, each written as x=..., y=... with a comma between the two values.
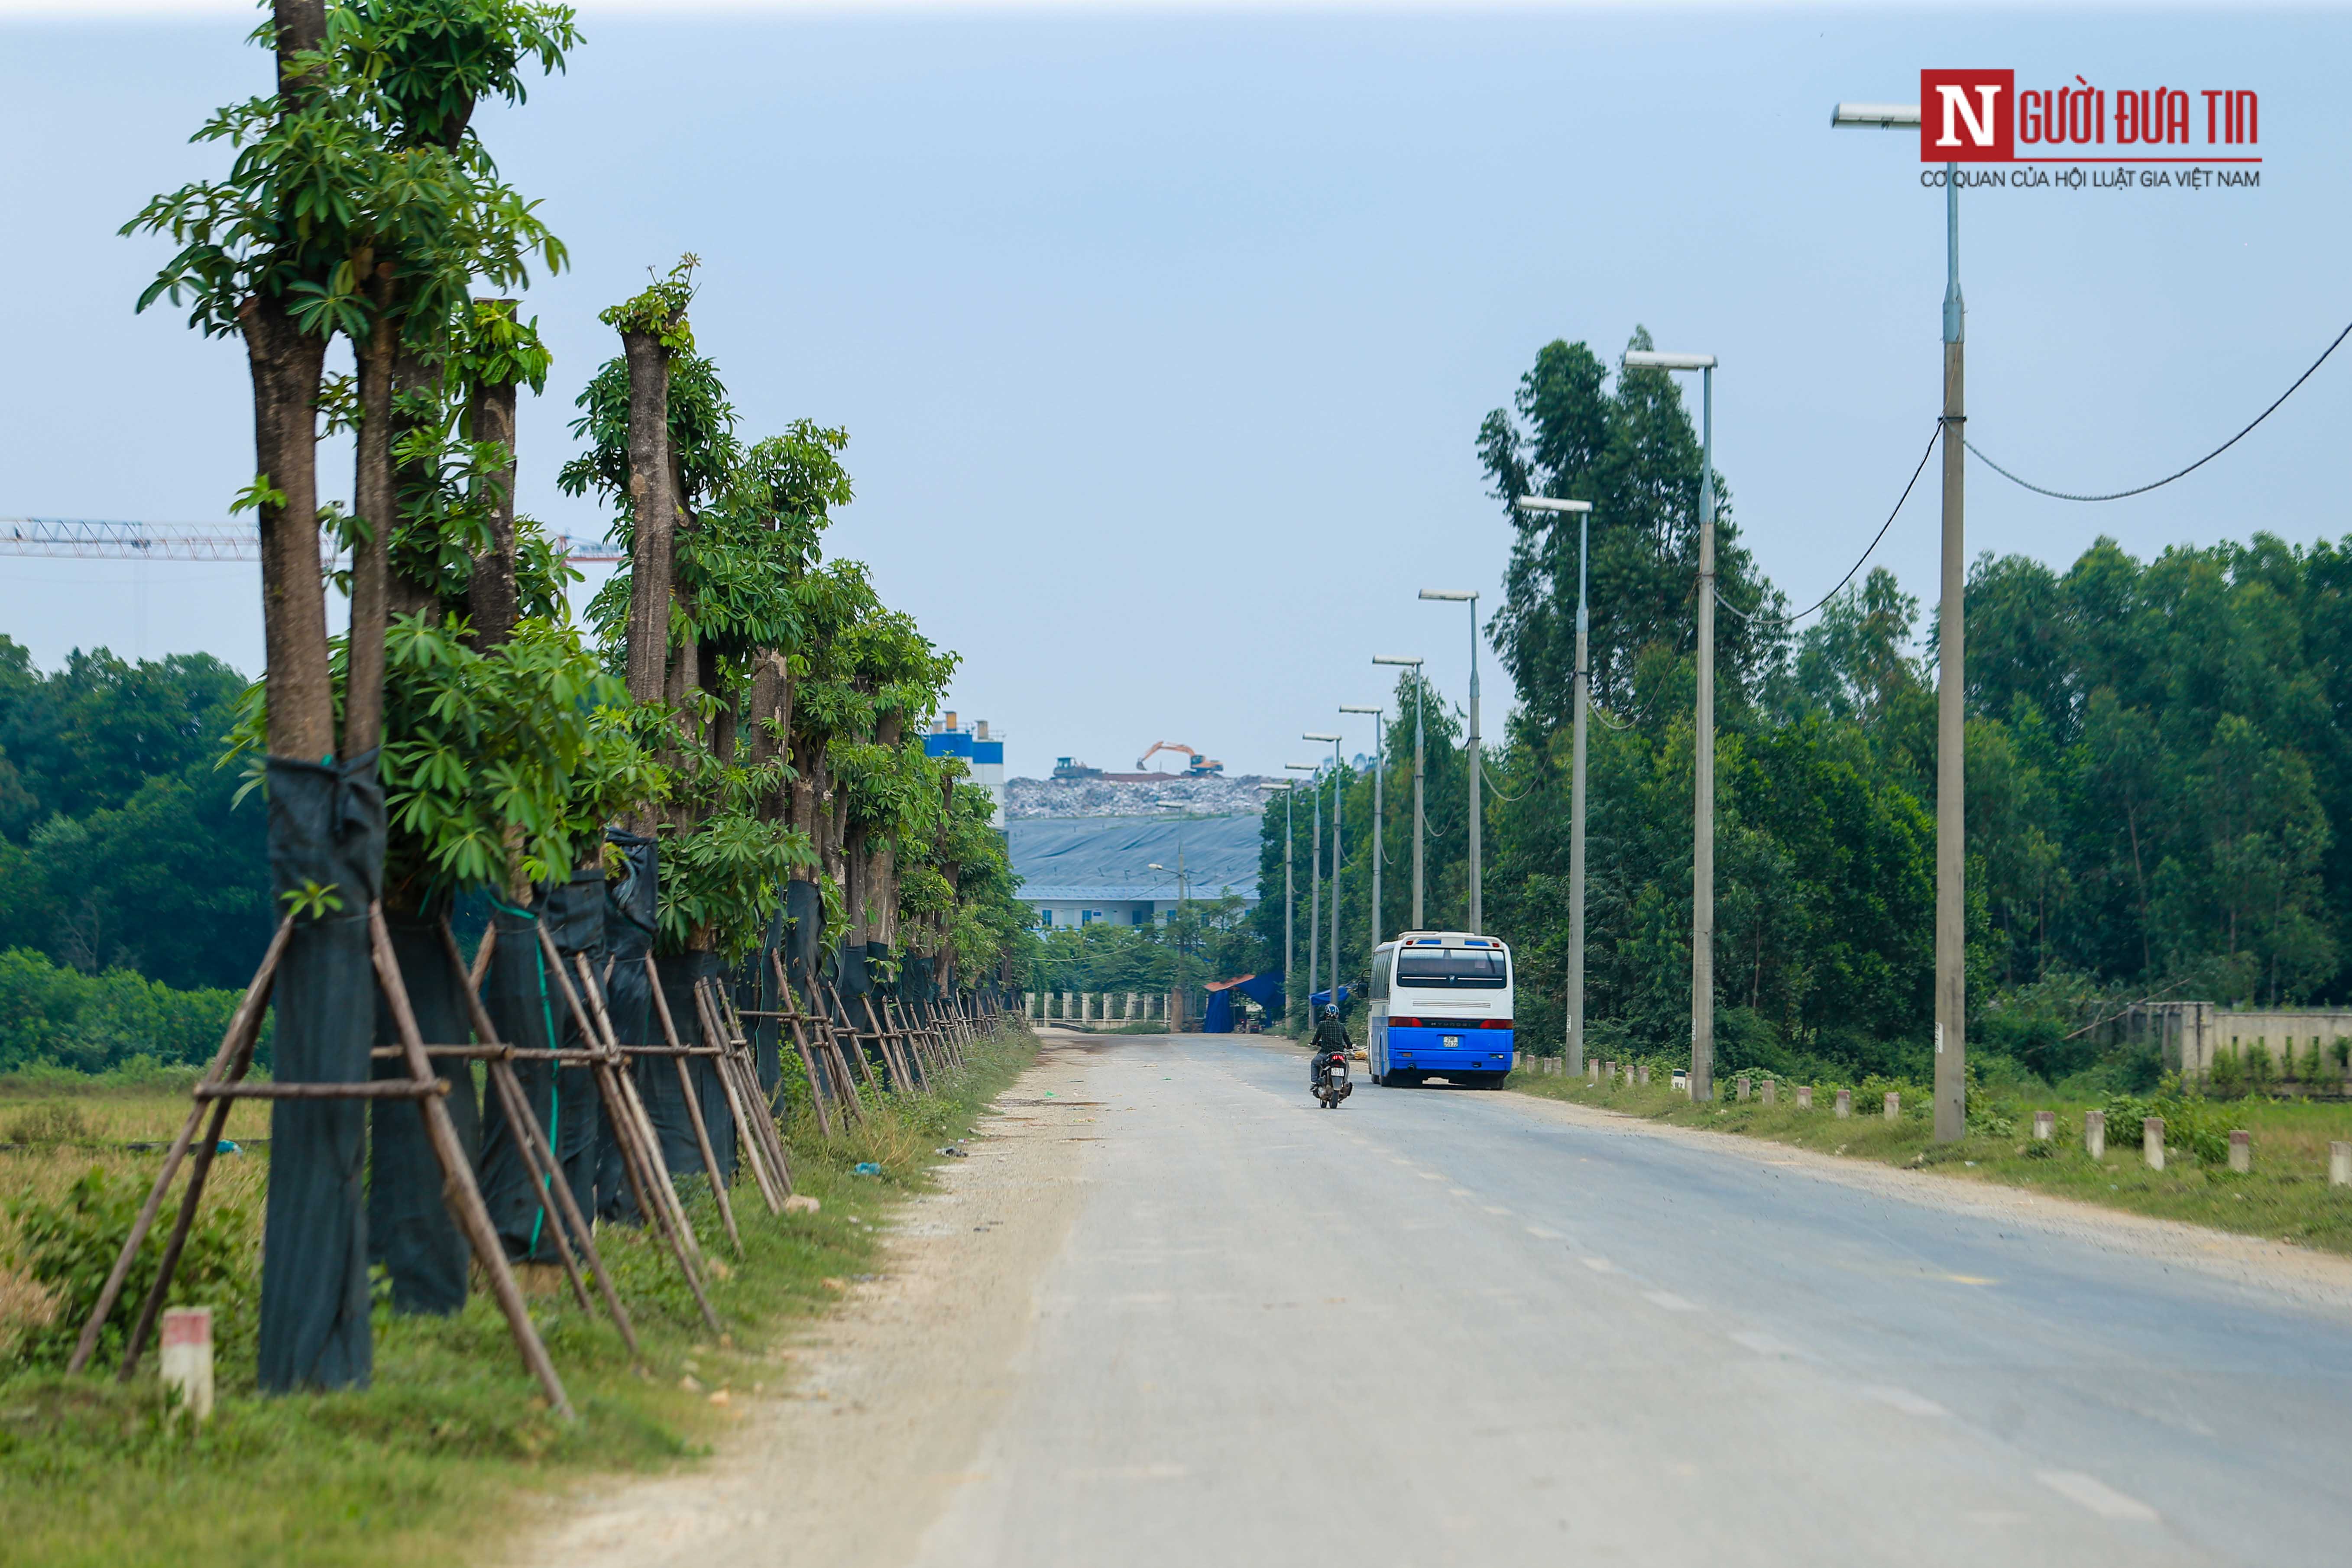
x=1331, y=1085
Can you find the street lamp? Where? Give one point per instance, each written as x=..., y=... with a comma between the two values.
x=1417, y=820
x=1314, y=885
x=1289, y=791
x=1951, y=756
x=1456, y=596
x=1701, y=1072
x=1379, y=767
x=1337, y=786
x=1575, y=998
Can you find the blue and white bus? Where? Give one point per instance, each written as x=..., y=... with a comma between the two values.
x=1441, y=1009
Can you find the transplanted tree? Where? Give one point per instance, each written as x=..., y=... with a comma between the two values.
x=355, y=166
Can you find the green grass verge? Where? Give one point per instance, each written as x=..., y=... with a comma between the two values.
x=423, y=1466
x=2286, y=1196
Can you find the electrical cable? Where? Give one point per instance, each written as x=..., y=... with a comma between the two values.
x=1759, y=614
x=2143, y=490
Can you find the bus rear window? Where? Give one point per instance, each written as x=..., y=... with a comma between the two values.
x=1451, y=968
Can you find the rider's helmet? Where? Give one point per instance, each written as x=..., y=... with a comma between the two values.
x=1331, y=1009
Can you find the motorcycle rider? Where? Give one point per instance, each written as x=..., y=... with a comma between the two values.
x=1330, y=1035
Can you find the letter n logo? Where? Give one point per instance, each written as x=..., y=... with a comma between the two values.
x=1968, y=117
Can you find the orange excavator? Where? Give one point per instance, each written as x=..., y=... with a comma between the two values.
x=1199, y=767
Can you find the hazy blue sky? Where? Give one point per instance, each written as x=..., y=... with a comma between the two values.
x=1162, y=338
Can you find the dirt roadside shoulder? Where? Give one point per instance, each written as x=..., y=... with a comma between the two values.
x=2318, y=1280
x=874, y=1416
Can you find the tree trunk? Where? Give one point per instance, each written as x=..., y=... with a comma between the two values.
x=411, y=376
x=491, y=599
x=286, y=364
x=653, y=508
x=769, y=718
x=376, y=506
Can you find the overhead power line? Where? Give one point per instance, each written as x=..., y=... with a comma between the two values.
x=2155, y=484
x=1876, y=539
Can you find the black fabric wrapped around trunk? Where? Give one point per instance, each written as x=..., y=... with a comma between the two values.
x=804, y=931
x=680, y=972
x=915, y=984
x=632, y=909
x=526, y=1006
x=755, y=990
x=326, y=831
x=409, y=1230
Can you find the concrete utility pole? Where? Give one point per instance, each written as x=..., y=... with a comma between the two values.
x=1575, y=986
x=1475, y=925
x=1418, y=819
x=1314, y=869
x=1951, y=667
x=1337, y=796
x=1380, y=769
x=1289, y=896
x=1702, y=1070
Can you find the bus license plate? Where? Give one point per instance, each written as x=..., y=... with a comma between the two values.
x=1452, y=1039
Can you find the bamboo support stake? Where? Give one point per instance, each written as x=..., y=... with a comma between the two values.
x=747, y=1138
x=800, y=1044
x=229, y=1062
x=457, y=1189
x=501, y=1072
x=761, y=1126
x=641, y=1158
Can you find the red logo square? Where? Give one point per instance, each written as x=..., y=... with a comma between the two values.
x=1968, y=117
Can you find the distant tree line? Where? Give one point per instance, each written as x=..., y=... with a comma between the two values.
x=2157, y=763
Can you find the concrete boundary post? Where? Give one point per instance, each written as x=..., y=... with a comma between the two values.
x=1804, y=1097
x=2094, y=1134
x=1771, y=1096
x=187, y=1369
x=2242, y=1151
x=2339, y=1164
x=2151, y=1141
x=2045, y=1126
x=1894, y=1106
x=1746, y=1086
x=1844, y=1103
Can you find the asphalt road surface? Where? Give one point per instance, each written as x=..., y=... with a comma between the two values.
x=1443, y=1326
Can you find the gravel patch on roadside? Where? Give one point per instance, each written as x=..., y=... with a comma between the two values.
x=883, y=1406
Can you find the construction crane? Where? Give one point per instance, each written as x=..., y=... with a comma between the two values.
x=88, y=540
x=1200, y=768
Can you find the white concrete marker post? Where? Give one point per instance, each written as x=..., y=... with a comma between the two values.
x=1804, y=1097
x=2242, y=1151
x=2339, y=1164
x=187, y=1370
x=1894, y=1106
x=2094, y=1134
x=1844, y=1103
x=2045, y=1126
x=1746, y=1086
x=2151, y=1141
x=1771, y=1095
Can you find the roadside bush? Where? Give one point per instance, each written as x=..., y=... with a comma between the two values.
x=67, y=1245
x=2189, y=1123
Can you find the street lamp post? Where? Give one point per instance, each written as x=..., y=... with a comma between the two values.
x=1702, y=1069
x=1575, y=997
x=1314, y=887
x=1417, y=818
x=1476, y=924
x=1338, y=785
x=1379, y=767
x=1951, y=669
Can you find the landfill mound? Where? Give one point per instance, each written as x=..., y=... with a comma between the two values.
x=1027, y=798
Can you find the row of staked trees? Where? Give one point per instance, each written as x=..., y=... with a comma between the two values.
x=2158, y=770
x=727, y=758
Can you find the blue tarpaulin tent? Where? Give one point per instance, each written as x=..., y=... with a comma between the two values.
x=1322, y=999
x=1266, y=990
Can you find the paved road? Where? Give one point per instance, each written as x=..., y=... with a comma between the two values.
x=1452, y=1327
